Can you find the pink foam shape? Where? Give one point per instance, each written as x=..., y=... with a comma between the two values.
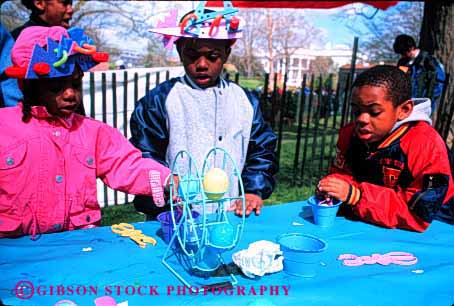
x=346, y=256
x=169, y=21
x=398, y=258
x=105, y=301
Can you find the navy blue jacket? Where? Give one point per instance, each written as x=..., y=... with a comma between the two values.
x=226, y=115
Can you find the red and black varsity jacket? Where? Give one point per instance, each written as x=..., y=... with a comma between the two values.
x=402, y=182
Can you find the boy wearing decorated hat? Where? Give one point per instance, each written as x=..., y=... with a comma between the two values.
x=201, y=110
x=50, y=157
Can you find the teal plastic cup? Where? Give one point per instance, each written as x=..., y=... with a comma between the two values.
x=188, y=188
x=302, y=253
x=222, y=235
x=324, y=215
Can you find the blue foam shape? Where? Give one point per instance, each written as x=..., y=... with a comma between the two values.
x=227, y=12
x=78, y=35
x=49, y=56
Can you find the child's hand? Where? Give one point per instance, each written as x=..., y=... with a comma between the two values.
x=320, y=194
x=253, y=202
x=334, y=187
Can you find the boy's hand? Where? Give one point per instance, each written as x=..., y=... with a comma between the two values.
x=334, y=187
x=253, y=202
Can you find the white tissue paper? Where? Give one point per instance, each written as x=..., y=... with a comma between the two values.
x=259, y=258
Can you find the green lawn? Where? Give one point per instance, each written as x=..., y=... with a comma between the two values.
x=120, y=213
x=251, y=83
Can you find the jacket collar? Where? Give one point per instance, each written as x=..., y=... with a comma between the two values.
x=40, y=112
x=396, y=134
x=421, y=112
x=187, y=80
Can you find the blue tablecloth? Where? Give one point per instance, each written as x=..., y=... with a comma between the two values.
x=58, y=260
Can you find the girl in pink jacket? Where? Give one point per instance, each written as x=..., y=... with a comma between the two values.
x=50, y=157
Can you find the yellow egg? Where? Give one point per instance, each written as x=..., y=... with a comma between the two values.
x=215, y=183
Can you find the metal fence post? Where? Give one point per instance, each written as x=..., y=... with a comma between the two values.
x=306, y=133
x=300, y=129
x=281, y=116
x=92, y=94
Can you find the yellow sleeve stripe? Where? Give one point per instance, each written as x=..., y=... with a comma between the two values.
x=355, y=196
x=394, y=135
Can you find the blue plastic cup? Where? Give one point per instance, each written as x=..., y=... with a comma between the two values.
x=324, y=216
x=165, y=218
x=302, y=253
x=208, y=259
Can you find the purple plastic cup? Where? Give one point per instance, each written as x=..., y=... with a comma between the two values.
x=165, y=218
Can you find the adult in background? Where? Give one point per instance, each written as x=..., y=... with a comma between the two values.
x=46, y=13
x=424, y=69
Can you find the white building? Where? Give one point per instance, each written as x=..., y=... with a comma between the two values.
x=131, y=57
x=300, y=61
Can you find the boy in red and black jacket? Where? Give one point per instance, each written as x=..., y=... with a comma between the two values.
x=391, y=167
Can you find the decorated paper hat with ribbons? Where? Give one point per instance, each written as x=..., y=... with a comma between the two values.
x=52, y=52
x=201, y=23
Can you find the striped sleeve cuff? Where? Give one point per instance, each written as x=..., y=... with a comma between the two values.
x=354, y=195
x=157, y=190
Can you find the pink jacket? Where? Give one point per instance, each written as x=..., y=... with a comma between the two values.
x=49, y=166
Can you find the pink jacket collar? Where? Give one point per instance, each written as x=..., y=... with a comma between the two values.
x=40, y=112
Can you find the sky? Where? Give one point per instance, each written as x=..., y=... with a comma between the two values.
x=332, y=22
x=333, y=29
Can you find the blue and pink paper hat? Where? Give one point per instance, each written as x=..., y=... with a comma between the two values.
x=52, y=52
x=221, y=24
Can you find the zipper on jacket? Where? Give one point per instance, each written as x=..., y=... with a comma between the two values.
x=215, y=117
x=429, y=188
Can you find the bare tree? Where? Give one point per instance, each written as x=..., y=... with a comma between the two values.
x=245, y=50
x=322, y=65
x=273, y=35
x=105, y=21
x=240, y=64
x=377, y=29
x=270, y=26
x=13, y=14
x=282, y=33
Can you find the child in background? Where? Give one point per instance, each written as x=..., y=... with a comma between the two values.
x=392, y=167
x=50, y=157
x=422, y=67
